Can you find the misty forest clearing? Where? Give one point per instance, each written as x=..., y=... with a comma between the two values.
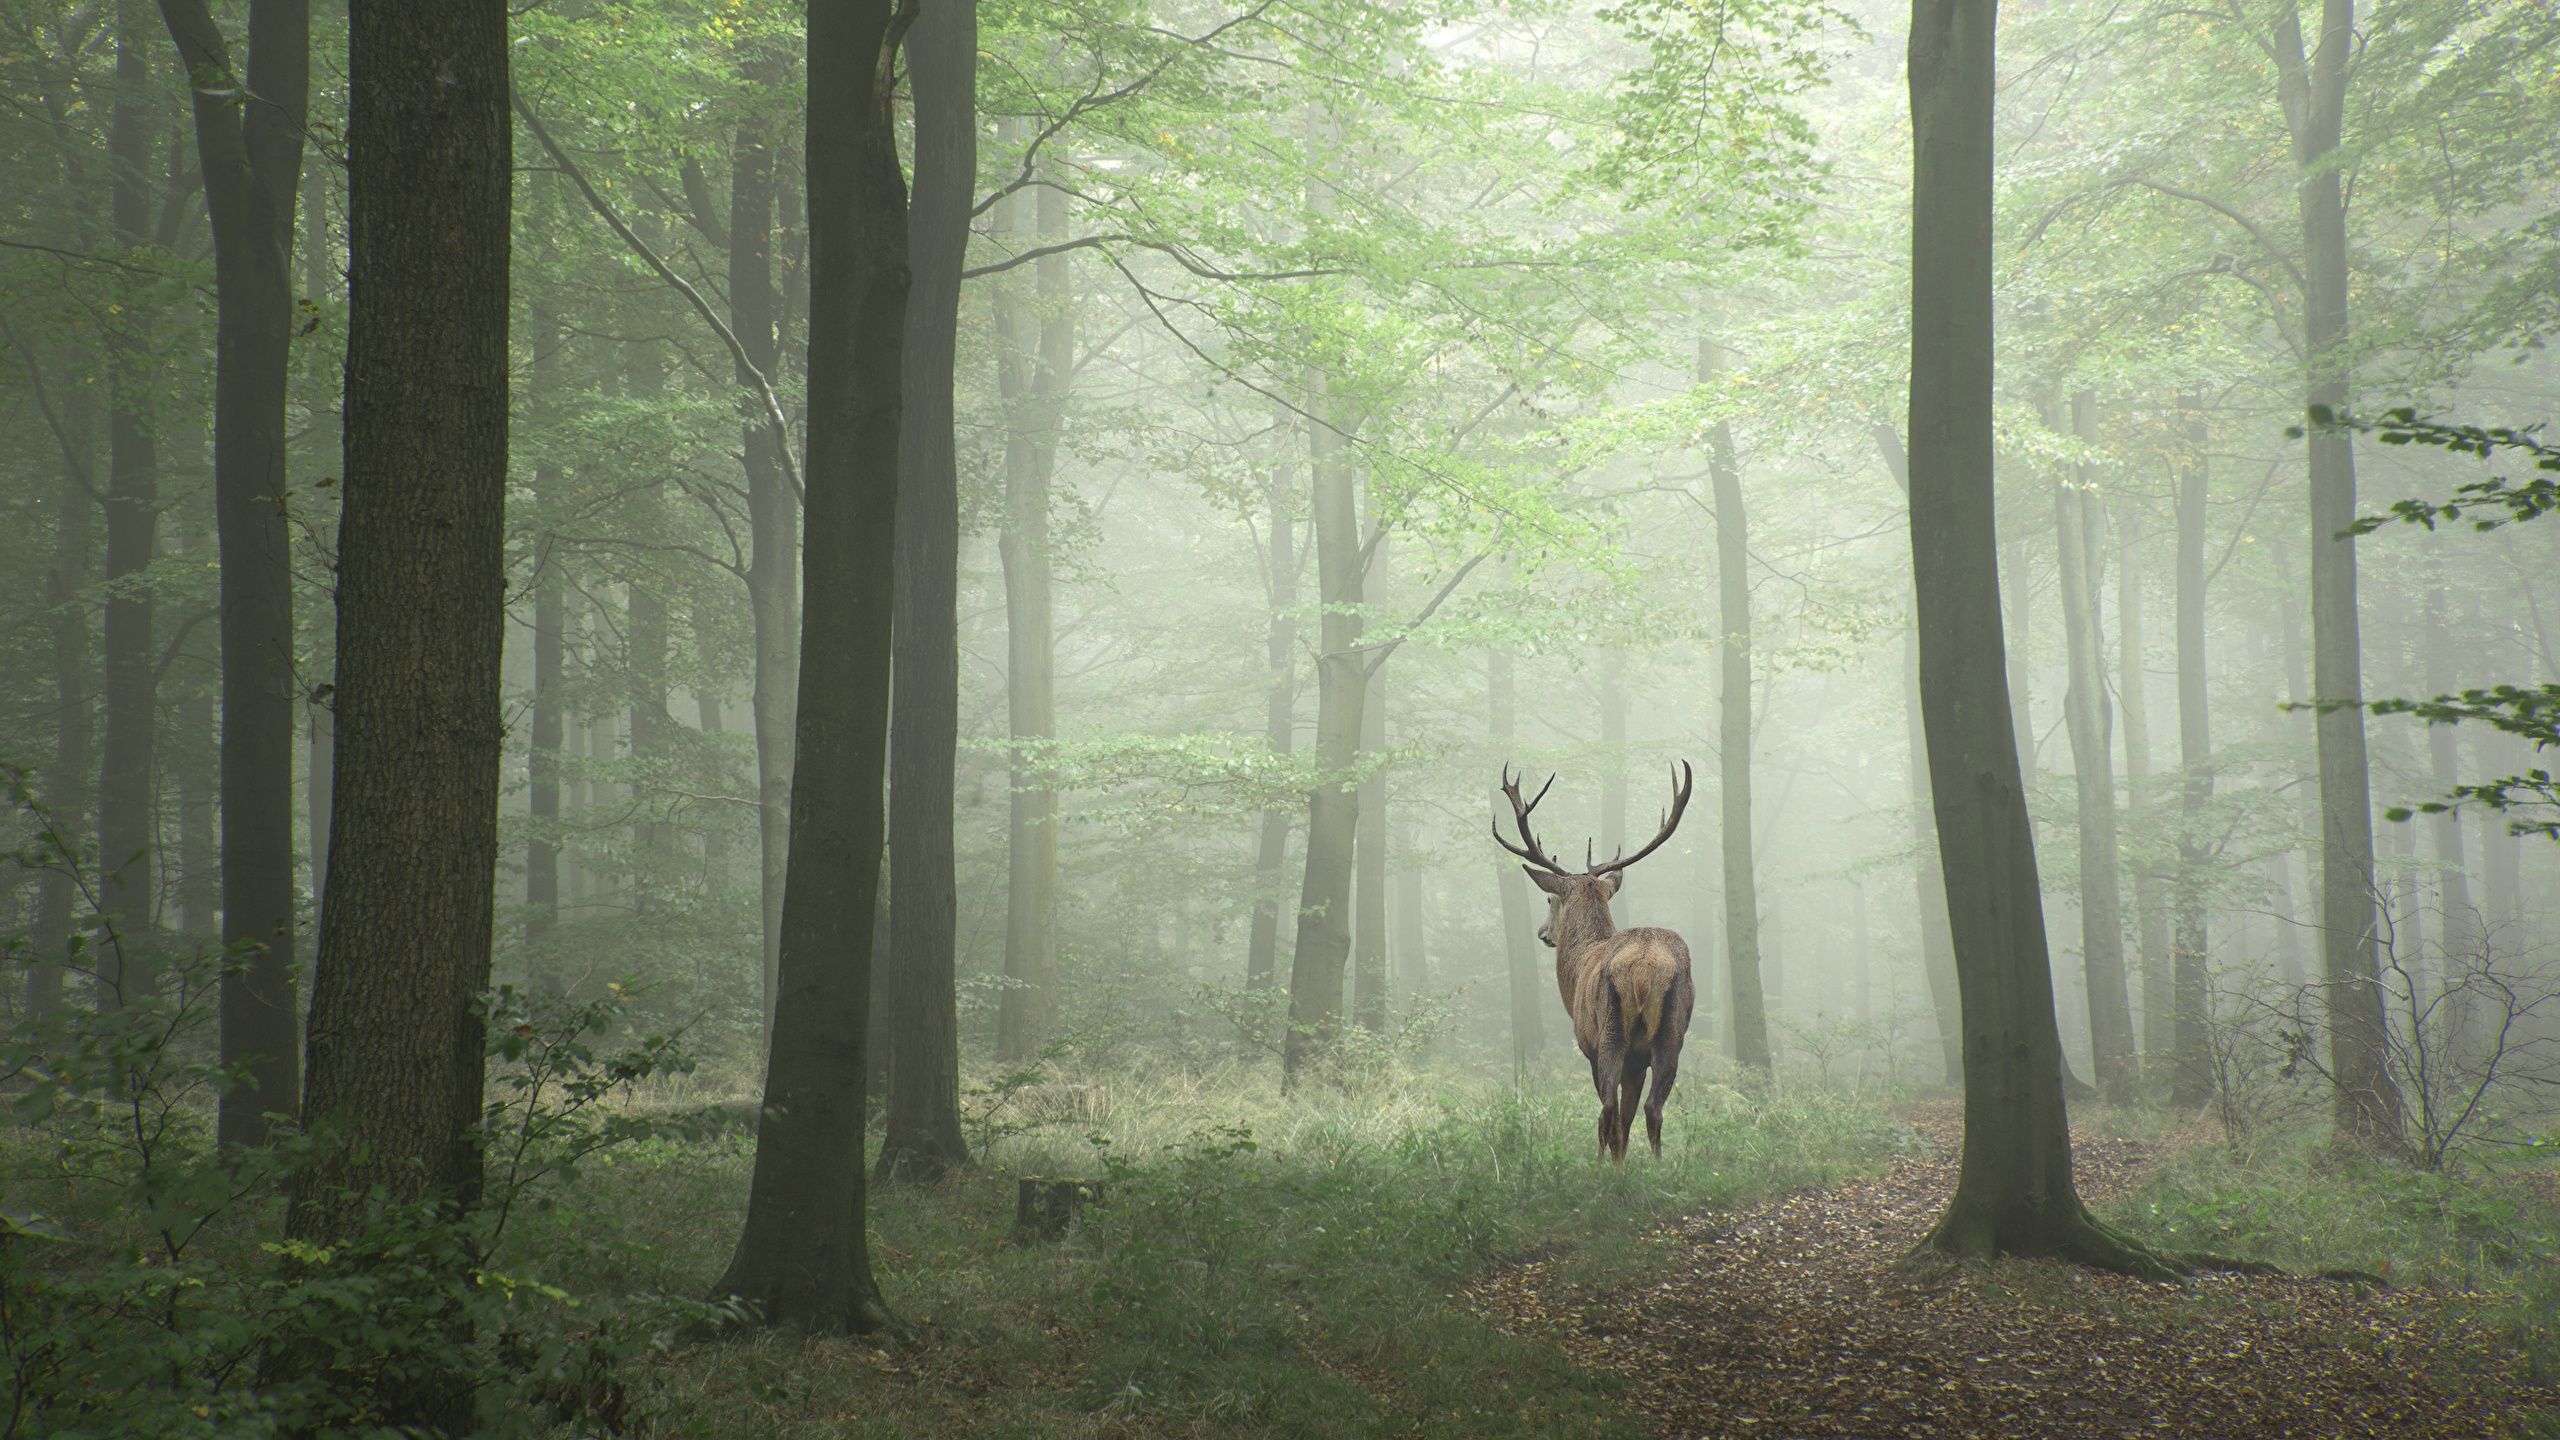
x=1703, y=718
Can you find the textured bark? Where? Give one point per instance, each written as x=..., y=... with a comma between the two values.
x=2150, y=902
x=396, y=1049
x=2085, y=710
x=922, y=1137
x=773, y=521
x=125, y=789
x=2191, y=1076
x=1749, y=1006
x=1035, y=356
x=2313, y=88
x=1280, y=728
x=2014, y=1189
x=1323, y=949
x=251, y=156
x=1520, y=962
x=1929, y=881
x=803, y=1258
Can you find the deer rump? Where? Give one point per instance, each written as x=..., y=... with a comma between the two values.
x=1630, y=996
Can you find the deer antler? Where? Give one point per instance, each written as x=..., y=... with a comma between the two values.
x=1680, y=785
x=1535, y=854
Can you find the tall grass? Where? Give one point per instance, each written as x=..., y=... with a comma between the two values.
x=1259, y=1265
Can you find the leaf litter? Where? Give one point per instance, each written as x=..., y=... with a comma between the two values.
x=1798, y=1318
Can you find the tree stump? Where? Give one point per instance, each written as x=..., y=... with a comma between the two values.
x=1044, y=1208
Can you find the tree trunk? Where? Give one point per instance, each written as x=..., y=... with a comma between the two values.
x=1410, y=943
x=2014, y=1191
x=1528, y=1011
x=2367, y=1105
x=1280, y=713
x=2150, y=909
x=2085, y=709
x=199, y=882
x=69, y=784
x=773, y=522
x=125, y=788
x=550, y=674
x=923, y=1138
x=1733, y=589
x=396, y=1050
x=1324, y=901
x=1031, y=379
x=2463, y=931
x=1369, y=850
x=803, y=1258
x=653, y=862
x=1929, y=881
x=2191, y=1077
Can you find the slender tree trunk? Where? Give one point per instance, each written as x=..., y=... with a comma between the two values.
x=803, y=1258
x=2191, y=1076
x=125, y=780
x=1929, y=881
x=1528, y=1011
x=1369, y=852
x=2314, y=96
x=1733, y=589
x=396, y=1047
x=251, y=156
x=653, y=863
x=69, y=784
x=550, y=673
x=2014, y=1190
x=923, y=1133
x=2150, y=905
x=2462, y=925
x=195, y=764
x=1280, y=714
x=1323, y=947
x=2093, y=769
x=1032, y=381
x=773, y=521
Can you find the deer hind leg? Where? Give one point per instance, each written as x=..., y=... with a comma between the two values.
x=1630, y=1094
x=1666, y=1070
x=1605, y=1063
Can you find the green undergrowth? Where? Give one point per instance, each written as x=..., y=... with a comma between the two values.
x=2489, y=1228
x=1257, y=1266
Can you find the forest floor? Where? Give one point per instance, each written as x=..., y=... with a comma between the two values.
x=1794, y=1319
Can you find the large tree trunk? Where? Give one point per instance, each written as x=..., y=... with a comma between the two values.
x=1520, y=959
x=773, y=522
x=1733, y=590
x=2367, y=1105
x=1031, y=379
x=2150, y=908
x=1280, y=722
x=125, y=789
x=923, y=1138
x=2191, y=1078
x=396, y=1048
x=2014, y=1191
x=1323, y=947
x=2085, y=710
x=1369, y=851
x=803, y=1258
x=1929, y=881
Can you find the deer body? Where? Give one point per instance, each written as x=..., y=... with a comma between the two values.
x=1629, y=992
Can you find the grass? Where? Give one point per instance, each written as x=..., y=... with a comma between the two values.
x=1262, y=1266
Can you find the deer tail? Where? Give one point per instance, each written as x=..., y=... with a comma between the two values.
x=1643, y=983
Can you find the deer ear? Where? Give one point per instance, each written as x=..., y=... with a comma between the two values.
x=1610, y=882
x=1552, y=884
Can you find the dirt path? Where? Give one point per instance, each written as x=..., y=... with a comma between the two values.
x=1792, y=1320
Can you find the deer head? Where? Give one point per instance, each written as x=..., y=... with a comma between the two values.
x=1578, y=901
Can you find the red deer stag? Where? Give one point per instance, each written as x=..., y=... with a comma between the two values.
x=1628, y=991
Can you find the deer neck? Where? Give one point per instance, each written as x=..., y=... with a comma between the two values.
x=1580, y=926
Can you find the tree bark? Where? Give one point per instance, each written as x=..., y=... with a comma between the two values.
x=1733, y=589
x=2191, y=1075
x=2014, y=1191
x=2085, y=708
x=1929, y=881
x=1035, y=357
x=1323, y=947
x=922, y=1138
x=2313, y=91
x=1528, y=1012
x=125, y=788
x=1280, y=720
x=396, y=1057
x=803, y=1258
x=2150, y=908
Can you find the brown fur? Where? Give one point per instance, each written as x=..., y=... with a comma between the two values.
x=1630, y=997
